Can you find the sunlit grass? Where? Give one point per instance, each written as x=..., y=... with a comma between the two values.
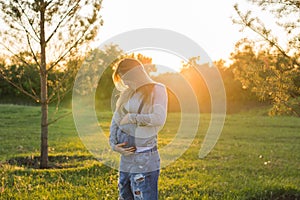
x=256, y=157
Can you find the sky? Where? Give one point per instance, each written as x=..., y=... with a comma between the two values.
x=208, y=23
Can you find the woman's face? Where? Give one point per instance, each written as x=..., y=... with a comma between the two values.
x=128, y=83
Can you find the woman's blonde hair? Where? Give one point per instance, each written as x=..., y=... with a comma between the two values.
x=124, y=66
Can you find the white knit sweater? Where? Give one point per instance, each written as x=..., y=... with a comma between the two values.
x=144, y=126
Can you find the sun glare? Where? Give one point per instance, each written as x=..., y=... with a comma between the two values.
x=165, y=61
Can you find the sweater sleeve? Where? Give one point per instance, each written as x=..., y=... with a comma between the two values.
x=159, y=110
x=113, y=134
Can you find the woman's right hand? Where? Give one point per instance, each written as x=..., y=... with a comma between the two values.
x=126, y=151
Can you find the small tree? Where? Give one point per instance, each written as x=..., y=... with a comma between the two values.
x=54, y=32
x=271, y=76
x=274, y=70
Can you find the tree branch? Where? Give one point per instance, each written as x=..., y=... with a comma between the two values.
x=57, y=86
x=32, y=90
x=14, y=54
x=58, y=118
x=28, y=19
x=68, y=50
x=60, y=22
x=21, y=25
x=19, y=88
x=249, y=23
x=34, y=56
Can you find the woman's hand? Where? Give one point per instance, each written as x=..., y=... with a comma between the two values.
x=124, y=151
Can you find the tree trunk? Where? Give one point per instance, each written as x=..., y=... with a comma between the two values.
x=44, y=91
x=44, y=123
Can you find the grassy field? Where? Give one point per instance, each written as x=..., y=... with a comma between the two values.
x=256, y=157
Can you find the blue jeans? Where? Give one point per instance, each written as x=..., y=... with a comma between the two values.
x=137, y=186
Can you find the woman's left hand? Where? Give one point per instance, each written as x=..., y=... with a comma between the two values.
x=125, y=151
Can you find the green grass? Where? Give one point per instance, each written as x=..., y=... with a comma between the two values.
x=256, y=157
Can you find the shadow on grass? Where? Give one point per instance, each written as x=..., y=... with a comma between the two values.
x=278, y=194
x=54, y=162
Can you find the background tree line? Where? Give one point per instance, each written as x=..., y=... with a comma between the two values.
x=238, y=86
x=254, y=78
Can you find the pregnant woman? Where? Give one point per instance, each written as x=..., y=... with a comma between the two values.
x=141, y=111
